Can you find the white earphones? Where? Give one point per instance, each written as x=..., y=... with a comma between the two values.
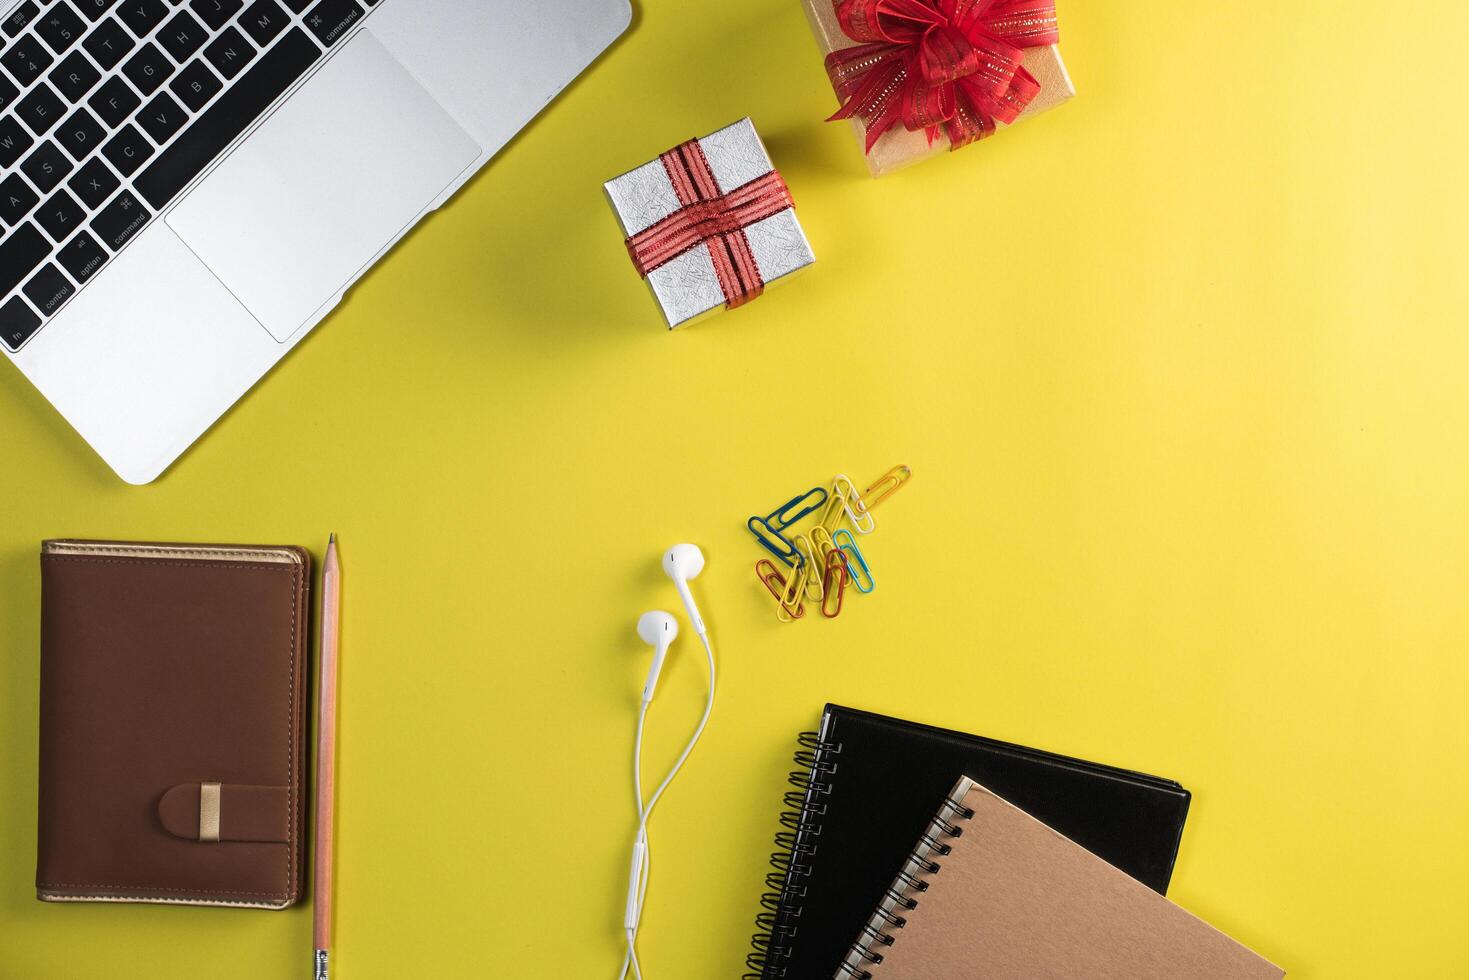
x=658, y=629
x=681, y=563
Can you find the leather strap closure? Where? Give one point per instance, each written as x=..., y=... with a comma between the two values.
x=213, y=812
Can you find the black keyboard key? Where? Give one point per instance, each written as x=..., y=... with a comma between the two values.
x=60, y=27
x=142, y=16
x=40, y=109
x=94, y=9
x=330, y=19
x=80, y=134
x=162, y=117
x=296, y=6
x=263, y=20
x=74, y=77
x=128, y=150
x=60, y=215
x=20, y=252
x=8, y=93
x=82, y=257
x=17, y=322
x=93, y=183
x=182, y=36
x=114, y=102
x=229, y=53
x=148, y=69
x=120, y=220
x=235, y=110
x=14, y=141
x=108, y=44
x=17, y=20
x=48, y=289
x=195, y=85
x=216, y=13
x=46, y=167
x=16, y=199
x=26, y=59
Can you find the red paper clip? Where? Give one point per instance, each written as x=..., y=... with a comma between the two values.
x=835, y=581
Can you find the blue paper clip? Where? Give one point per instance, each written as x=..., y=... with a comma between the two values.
x=856, y=564
x=798, y=507
x=772, y=540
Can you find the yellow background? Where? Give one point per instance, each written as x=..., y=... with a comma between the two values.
x=1182, y=372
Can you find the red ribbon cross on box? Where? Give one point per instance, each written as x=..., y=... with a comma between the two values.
x=708, y=217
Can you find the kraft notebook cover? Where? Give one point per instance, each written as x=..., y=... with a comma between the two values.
x=990, y=891
x=172, y=693
x=867, y=787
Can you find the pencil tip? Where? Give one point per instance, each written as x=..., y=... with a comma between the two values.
x=333, y=538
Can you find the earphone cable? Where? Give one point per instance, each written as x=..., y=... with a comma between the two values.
x=646, y=812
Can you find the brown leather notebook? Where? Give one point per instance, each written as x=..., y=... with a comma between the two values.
x=172, y=690
x=991, y=892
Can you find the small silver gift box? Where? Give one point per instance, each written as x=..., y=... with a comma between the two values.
x=684, y=214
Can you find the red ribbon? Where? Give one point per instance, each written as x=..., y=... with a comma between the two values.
x=938, y=65
x=709, y=217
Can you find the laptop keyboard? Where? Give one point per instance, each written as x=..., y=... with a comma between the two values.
x=110, y=108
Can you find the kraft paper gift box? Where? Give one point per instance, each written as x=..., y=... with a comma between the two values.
x=710, y=223
x=898, y=147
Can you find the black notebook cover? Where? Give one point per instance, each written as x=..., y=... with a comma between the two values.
x=869, y=786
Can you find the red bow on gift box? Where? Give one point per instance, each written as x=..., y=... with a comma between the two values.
x=950, y=65
x=709, y=217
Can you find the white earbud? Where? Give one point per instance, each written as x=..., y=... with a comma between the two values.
x=681, y=563
x=658, y=629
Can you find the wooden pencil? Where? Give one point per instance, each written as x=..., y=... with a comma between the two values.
x=326, y=758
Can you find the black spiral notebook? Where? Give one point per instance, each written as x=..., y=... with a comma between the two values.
x=868, y=785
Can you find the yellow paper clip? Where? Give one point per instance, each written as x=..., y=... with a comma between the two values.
x=821, y=540
x=852, y=505
x=795, y=587
x=857, y=566
x=835, y=582
x=810, y=568
x=836, y=506
x=888, y=484
x=775, y=584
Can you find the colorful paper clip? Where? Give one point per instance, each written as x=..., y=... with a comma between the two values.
x=821, y=542
x=775, y=584
x=888, y=484
x=772, y=540
x=856, y=564
x=852, y=505
x=810, y=568
x=836, y=506
x=795, y=509
x=835, y=582
x=795, y=588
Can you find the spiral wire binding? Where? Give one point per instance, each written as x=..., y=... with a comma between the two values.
x=880, y=929
x=785, y=886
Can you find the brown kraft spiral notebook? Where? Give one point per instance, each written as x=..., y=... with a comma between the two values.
x=989, y=891
x=172, y=694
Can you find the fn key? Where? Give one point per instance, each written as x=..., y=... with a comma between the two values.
x=17, y=322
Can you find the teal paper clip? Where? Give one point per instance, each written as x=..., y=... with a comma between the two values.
x=773, y=541
x=856, y=564
x=793, y=510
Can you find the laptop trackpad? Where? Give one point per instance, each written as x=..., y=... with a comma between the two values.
x=311, y=198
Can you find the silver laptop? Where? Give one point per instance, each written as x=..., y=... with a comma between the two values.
x=191, y=185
